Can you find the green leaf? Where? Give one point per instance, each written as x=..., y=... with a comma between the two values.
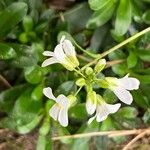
x=37, y=92
x=146, y=117
x=78, y=112
x=27, y=23
x=144, y=54
x=146, y=17
x=98, y=4
x=123, y=18
x=6, y=52
x=26, y=111
x=11, y=16
x=127, y=112
x=30, y=126
x=120, y=69
x=66, y=88
x=132, y=59
x=26, y=56
x=8, y=97
x=109, y=96
x=140, y=100
x=101, y=16
x=44, y=143
x=79, y=12
x=33, y=74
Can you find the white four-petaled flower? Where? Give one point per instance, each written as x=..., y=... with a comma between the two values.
x=121, y=87
x=59, y=110
x=64, y=53
x=95, y=102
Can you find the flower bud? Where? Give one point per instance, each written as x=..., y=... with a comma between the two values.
x=80, y=82
x=89, y=71
x=100, y=65
x=72, y=100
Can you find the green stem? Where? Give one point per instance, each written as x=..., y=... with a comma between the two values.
x=78, y=91
x=78, y=72
x=118, y=46
x=87, y=52
x=125, y=42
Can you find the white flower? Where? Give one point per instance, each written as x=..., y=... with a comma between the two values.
x=103, y=110
x=91, y=102
x=59, y=110
x=64, y=53
x=121, y=86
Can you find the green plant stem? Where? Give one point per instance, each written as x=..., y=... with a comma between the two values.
x=78, y=91
x=125, y=42
x=118, y=46
x=78, y=72
x=83, y=50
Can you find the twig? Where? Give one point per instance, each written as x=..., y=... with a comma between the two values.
x=108, y=133
x=6, y=83
x=136, y=138
x=114, y=62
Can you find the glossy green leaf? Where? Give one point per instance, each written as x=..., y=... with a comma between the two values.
x=146, y=117
x=6, y=52
x=12, y=14
x=123, y=18
x=8, y=97
x=33, y=74
x=80, y=12
x=30, y=126
x=132, y=59
x=66, y=88
x=38, y=92
x=98, y=4
x=26, y=56
x=127, y=112
x=119, y=69
x=26, y=110
x=101, y=16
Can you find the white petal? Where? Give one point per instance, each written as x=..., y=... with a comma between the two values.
x=54, y=111
x=63, y=101
x=102, y=112
x=48, y=93
x=49, y=61
x=90, y=107
x=48, y=53
x=59, y=53
x=91, y=119
x=104, y=109
x=91, y=103
x=129, y=83
x=123, y=95
x=113, y=108
x=63, y=117
x=101, y=117
x=68, y=48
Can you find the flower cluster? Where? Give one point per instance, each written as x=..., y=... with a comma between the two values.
x=64, y=53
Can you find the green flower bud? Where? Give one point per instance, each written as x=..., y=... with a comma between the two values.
x=80, y=82
x=100, y=65
x=72, y=100
x=89, y=71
